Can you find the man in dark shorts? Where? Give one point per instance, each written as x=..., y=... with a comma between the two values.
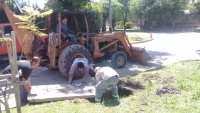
x=26, y=67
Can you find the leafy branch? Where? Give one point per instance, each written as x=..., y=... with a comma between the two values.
x=28, y=20
x=3, y=39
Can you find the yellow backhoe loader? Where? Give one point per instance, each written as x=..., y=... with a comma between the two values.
x=56, y=53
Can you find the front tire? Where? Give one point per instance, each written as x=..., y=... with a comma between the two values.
x=118, y=59
x=68, y=55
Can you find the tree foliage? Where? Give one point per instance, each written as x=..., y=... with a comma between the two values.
x=195, y=9
x=116, y=7
x=71, y=5
x=2, y=39
x=28, y=21
x=124, y=11
x=157, y=10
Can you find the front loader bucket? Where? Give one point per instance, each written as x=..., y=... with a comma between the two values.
x=140, y=54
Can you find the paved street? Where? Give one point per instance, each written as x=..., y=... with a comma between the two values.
x=167, y=48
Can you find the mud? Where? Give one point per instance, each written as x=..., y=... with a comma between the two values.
x=124, y=89
x=167, y=90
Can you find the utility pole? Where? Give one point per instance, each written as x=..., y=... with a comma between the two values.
x=110, y=15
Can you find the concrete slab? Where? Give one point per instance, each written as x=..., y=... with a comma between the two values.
x=47, y=93
x=50, y=85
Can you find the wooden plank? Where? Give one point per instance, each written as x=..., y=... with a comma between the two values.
x=14, y=73
x=59, y=28
x=46, y=93
x=0, y=108
x=11, y=63
x=14, y=83
x=5, y=76
x=86, y=22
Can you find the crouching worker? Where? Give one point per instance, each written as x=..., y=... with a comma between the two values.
x=80, y=69
x=26, y=67
x=106, y=76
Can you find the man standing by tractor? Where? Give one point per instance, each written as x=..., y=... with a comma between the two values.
x=80, y=69
x=65, y=31
x=26, y=67
x=106, y=76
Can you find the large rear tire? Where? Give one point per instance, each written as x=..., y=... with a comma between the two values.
x=118, y=59
x=68, y=55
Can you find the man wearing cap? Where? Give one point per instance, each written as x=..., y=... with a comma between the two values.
x=106, y=76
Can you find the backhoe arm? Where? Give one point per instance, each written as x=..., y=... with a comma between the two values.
x=20, y=33
x=121, y=37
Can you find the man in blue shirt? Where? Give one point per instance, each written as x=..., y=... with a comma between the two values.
x=65, y=31
x=81, y=69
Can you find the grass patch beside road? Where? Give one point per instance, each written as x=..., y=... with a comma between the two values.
x=138, y=37
x=173, y=89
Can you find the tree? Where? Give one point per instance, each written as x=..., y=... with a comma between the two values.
x=124, y=11
x=195, y=9
x=96, y=10
x=29, y=21
x=160, y=10
x=72, y=5
x=116, y=14
x=52, y=4
x=116, y=6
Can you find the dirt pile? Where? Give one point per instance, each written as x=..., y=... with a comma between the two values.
x=167, y=90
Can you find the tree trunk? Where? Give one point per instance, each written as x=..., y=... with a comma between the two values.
x=113, y=26
x=124, y=25
x=105, y=18
x=141, y=26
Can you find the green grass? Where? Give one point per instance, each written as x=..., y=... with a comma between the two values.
x=138, y=37
x=185, y=76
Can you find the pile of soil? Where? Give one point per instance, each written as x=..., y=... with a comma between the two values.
x=124, y=89
x=167, y=90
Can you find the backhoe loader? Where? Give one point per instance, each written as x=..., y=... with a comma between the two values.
x=56, y=53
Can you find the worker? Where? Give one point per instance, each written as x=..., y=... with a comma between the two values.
x=65, y=31
x=81, y=69
x=106, y=76
x=26, y=67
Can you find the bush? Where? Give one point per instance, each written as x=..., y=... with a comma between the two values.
x=128, y=25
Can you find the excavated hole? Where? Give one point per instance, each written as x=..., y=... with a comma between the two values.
x=124, y=89
x=167, y=90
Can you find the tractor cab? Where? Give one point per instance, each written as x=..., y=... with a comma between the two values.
x=76, y=22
